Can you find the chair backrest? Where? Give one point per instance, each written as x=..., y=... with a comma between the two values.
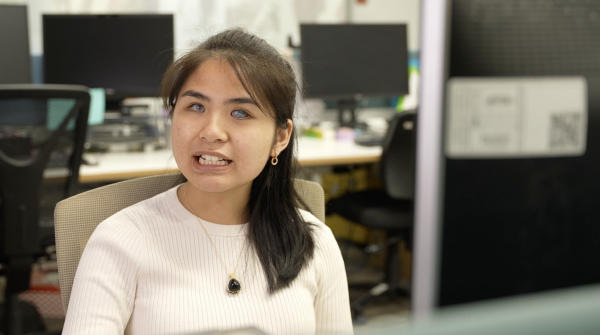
x=77, y=217
x=39, y=125
x=398, y=156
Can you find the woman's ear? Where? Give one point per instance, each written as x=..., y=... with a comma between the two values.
x=283, y=137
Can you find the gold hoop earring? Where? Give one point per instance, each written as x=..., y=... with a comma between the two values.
x=274, y=160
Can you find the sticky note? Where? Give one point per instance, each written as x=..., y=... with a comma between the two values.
x=97, y=106
x=58, y=109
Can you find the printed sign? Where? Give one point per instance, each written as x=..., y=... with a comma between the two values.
x=516, y=117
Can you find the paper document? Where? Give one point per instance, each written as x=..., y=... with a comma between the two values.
x=516, y=117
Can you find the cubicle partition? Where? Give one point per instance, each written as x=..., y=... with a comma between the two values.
x=508, y=150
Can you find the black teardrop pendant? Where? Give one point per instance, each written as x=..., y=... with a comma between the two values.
x=234, y=286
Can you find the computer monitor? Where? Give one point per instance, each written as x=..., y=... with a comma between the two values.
x=343, y=61
x=497, y=222
x=126, y=55
x=15, y=61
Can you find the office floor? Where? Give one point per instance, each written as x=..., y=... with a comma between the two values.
x=382, y=312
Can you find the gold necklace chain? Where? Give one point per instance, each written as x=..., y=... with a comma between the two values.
x=234, y=285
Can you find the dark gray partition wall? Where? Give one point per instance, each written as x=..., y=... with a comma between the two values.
x=503, y=226
x=15, y=61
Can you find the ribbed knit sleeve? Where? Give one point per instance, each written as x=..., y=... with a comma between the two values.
x=332, y=303
x=104, y=288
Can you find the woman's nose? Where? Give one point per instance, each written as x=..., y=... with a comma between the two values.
x=213, y=129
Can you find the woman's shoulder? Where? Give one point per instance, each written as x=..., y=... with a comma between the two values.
x=327, y=254
x=139, y=214
x=310, y=218
x=322, y=234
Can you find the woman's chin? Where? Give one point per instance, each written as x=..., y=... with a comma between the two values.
x=214, y=185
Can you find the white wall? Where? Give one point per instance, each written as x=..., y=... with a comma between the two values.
x=390, y=11
x=273, y=20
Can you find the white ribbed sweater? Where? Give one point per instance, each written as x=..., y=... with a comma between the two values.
x=151, y=269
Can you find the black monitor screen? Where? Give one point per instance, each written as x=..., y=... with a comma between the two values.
x=343, y=60
x=14, y=46
x=124, y=54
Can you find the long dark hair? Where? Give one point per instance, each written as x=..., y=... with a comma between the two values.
x=281, y=238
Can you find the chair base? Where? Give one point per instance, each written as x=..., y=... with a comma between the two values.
x=390, y=286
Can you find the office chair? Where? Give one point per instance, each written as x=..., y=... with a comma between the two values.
x=390, y=209
x=76, y=217
x=39, y=124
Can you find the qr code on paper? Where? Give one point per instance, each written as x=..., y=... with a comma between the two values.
x=565, y=130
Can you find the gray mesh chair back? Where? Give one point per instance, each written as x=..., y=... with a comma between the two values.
x=42, y=131
x=398, y=157
x=39, y=125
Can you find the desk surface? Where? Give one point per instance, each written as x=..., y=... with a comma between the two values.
x=311, y=152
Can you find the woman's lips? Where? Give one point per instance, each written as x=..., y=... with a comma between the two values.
x=212, y=160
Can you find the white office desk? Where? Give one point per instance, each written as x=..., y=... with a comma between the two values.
x=311, y=152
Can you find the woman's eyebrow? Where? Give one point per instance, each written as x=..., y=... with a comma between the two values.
x=195, y=94
x=242, y=101
x=198, y=95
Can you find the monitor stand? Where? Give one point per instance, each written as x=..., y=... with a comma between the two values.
x=113, y=105
x=347, y=113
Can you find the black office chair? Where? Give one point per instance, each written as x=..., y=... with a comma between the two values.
x=389, y=209
x=42, y=132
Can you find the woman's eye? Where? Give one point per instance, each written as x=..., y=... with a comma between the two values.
x=239, y=114
x=197, y=107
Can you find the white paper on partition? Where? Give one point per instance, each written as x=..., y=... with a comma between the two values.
x=516, y=117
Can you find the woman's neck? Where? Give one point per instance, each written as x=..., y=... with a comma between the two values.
x=227, y=208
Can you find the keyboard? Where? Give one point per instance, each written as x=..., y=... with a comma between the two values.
x=369, y=140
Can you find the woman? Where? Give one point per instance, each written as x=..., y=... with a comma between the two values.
x=227, y=248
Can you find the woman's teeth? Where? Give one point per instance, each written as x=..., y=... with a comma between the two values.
x=212, y=160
